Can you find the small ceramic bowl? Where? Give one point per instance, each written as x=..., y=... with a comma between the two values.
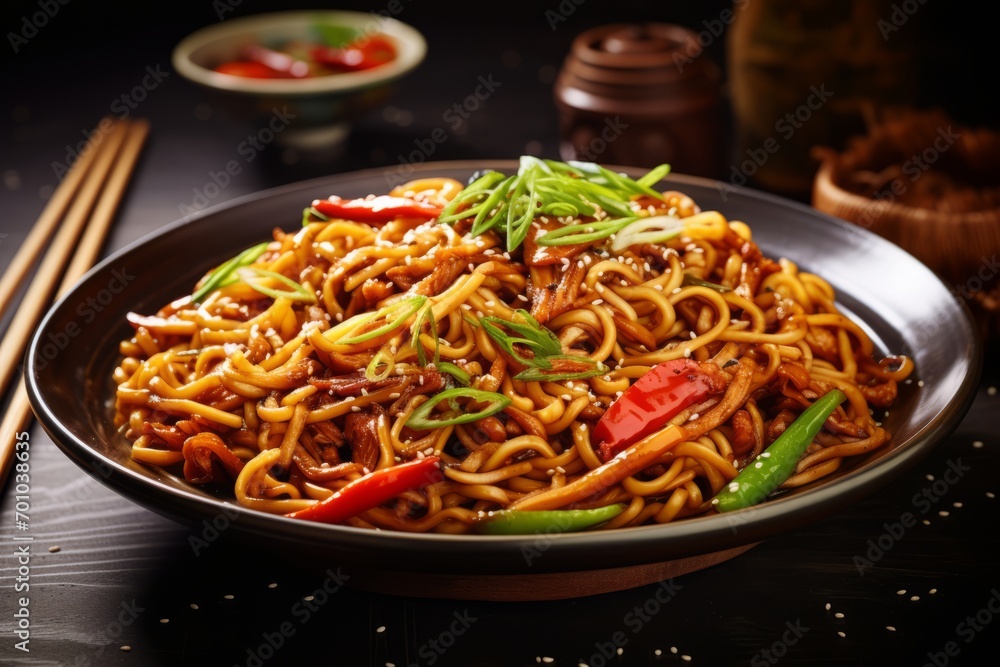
x=314, y=109
x=931, y=187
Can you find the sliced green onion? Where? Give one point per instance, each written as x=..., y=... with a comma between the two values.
x=421, y=419
x=256, y=278
x=542, y=342
x=311, y=211
x=224, y=272
x=484, y=220
x=540, y=375
x=382, y=358
x=454, y=371
x=692, y=281
x=418, y=325
x=655, y=229
x=546, y=187
x=654, y=176
x=583, y=232
x=400, y=310
x=477, y=190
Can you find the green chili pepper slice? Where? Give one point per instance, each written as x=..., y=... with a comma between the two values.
x=527, y=522
x=776, y=463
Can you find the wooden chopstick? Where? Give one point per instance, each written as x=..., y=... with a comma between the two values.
x=91, y=213
x=48, y=221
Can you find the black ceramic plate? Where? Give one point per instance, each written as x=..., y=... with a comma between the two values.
x=903, y=306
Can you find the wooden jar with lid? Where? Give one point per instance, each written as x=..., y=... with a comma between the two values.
x=641, y=95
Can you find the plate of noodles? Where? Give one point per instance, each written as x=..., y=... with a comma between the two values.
x=517, y=379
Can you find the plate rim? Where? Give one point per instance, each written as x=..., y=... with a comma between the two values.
x=683, y=538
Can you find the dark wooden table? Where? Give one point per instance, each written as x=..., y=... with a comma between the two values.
x=856, y=588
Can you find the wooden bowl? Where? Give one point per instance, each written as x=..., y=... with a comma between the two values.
x=932, y=187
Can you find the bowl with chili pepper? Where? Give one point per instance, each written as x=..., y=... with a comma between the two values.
x=322, y=68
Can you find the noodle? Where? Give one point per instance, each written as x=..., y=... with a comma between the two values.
x=309, y=371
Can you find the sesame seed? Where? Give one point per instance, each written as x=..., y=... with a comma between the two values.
x=657, y=652
x=992, y=391
x=930, y=478
x=687, y=352
x=932, y=591
x=620, y=650
x=920, y=383
x=686, y=658
x=309, y=598
x=957, y=505
x=355, y=408
x=828, y=606
x=901, y=591
x=380, y=629
x=673, y=649
x=839, y=614
x=943, y=513
x=126, y=648
x=759, y=464
x=522, y=297
x=229, y=597
x=55, y=549
x=914, y=598
x=841, y=633
x=390, y=664
x=566, y=397
x=978, y=444
x=990, y=494
x=926, y=522
x=890, y=628
x=164, y=620
x=490, y=303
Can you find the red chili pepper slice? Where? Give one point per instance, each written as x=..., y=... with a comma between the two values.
x=655, y=398
x=355, y=57
x=372, y=490
x=248, y=70
x=376, y=210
